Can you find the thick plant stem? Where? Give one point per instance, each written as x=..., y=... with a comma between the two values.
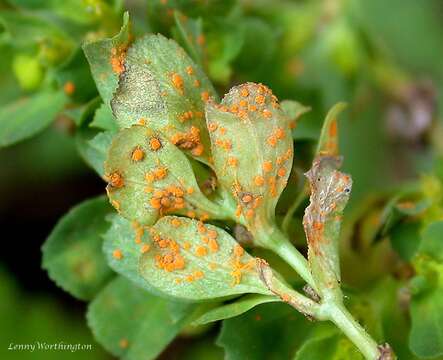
x=341, y=317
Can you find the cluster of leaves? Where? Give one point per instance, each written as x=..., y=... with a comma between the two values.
x=316, y=53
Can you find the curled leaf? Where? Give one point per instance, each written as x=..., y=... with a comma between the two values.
x=190, y=260
x=330, y=191
x=328, y=142
x=149, y=177
x=106, y=58
x=161, y=87
x=252, y=149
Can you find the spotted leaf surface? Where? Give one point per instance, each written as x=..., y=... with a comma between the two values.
x=106, y=58
x=252, y=149
x=330, y=190
x=149, y=177
x=164, y=89
x=189, y=260
x=131, y=323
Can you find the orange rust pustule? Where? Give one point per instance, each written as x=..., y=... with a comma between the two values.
x=137, y=154
x=118, y=56
x=189, y=141
x=155, y=143
x=115, y=180
x=177, y=82
x=237, y=265
x=69, y=88
x=168, y=199
x=170, y=259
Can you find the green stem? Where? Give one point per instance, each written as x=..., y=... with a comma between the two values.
x=341, y=317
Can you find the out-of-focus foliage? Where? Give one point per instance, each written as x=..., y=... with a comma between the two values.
x=382, y=58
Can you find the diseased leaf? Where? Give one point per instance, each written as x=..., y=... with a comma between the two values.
x=72, y=254
x=426, y=336
x=164, y=89
x=149, y=177
x=233, y=309
x=107, y=60
x=269, y=331
x=252, y=149
x=93, y=147
x=28, y=116
x=130, y=323
x=186, y=259
x=330, y=190
x=328, y=141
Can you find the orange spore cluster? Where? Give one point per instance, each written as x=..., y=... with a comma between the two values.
x=115, y=179
x=158, y=173
x=117, y=254
x=239, y=267
x=155, y=143
x=204, y=96
x=69, y=88
x=137, y=154
x=178, y=82
x=123, y=343
x=186, y=116
x=189, y=141
x=170, y=259
x=117, y=60
x=189, y=70
x=139, y=231
x=168, y=199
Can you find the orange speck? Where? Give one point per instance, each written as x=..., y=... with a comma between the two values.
x=267, y=166
x=196, y=83
x=249, y=213
x=292, y=125
x=272, y=141
x=201, y=39
x=69, y=88
x=222, y=130
x=238, y=251
x=232, y=161
x=204, y=96
x=201, y=251
x=189, y=70
x=191, y=214
x=333, y=128
x=260, y=99
x=190, y=190
x=155, y=203
x=186, y=245
x=160, y=173
x=176, y=222
x=155, y=144
x=189, y=278
x=117, y=254
x=212, y=234
x=259, y=181
x=177, y=81
x=213, y=245
x=280, y=133
x=123, y=343
x=281, y=172
x=142, y=121
x=145, y=248
x=118, y=59
x=137, y=154
x=244, y=92
x=285, y=297
x=243, y=103
x=198, y=274
x=317, y=225
x=178, y=281
x=266, y=113
x=212, y=127
x=246, y=198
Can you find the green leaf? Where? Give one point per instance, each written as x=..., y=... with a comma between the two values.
x=149, y=177
x=328, y=141
x=104, y=119
x=294, y=110
x=405, y=239
x=72, y=254
x=330, y=190
x=252, y=149
x=328, y=345
x=130, y=323
x=235, y=308
x=107, y=60
x=28, y=116
x=93, y=147
x=164, y=89
x=185, y=259
x=269, y=331
x=426, y=337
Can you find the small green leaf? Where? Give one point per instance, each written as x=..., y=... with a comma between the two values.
x=104, y=119
x=426, y=337
x=93, y=147
x=330, y=190
x=293, y=110
x=328, y=345
x=164, y=89
x=269, y=331
x=28, y=116
x=149, y=177
x=72, y=254
x=130, y=323
x=233, y=309
x=252, y=149
x=107, y=60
